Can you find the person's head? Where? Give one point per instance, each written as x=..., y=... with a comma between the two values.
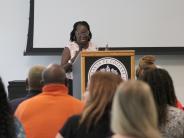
x=81, y=33
x=102, y=88
x=35, y=77
x=7, y=128
x=54, y=73
x=133, y=111
x=145, y=63
x=163, y=90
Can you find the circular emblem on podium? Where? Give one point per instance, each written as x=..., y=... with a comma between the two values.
x=109, y=64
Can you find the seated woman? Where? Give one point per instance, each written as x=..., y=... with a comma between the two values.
x=94, y=122
x=171, y=119
x=133, y=112
x=148, y=63
x=10, y=127
x=145, y=63
x=80, y=39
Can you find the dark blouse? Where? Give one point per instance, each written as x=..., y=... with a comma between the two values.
x=72, y=129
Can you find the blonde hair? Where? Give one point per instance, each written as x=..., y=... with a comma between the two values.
x=102, y=88
x=134, y=112
x=35, y=76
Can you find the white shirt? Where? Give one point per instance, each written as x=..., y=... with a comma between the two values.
x=74, y=47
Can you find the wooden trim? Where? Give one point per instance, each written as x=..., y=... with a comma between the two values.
x=108, y=53
x=132, y=67
x=114, y=53
x=122, y=53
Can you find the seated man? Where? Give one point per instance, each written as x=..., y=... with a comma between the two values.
x=34, y=86
x=43, y=115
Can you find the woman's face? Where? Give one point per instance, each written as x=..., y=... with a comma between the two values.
x=82, y=35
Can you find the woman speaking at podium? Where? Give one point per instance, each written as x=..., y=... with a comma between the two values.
x=80, y=39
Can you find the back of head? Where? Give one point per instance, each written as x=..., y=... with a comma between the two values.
x=102, y=88
x=163, y=90
x=7, y=129
x=35, y=77
x=54, y=73
x=145, y=63
x=133, y=111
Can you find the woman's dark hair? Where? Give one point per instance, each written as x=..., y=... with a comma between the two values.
x=7, y=128
x=163, y=91
x=72, y=34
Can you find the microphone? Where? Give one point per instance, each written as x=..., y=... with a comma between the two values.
x=106, y=47
x=80, y=48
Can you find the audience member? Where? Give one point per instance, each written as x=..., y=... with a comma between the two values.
x=148, y=63
x=33, y=83
x=171, y=119
x=145, y=63
x=133, y=112
x=80, y=38
x=8, y=124
x=43, y=115
x=94, y=122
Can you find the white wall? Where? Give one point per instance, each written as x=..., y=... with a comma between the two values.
x=13, y=36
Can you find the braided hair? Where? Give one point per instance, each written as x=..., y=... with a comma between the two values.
x=7, y=128
x=72, y=34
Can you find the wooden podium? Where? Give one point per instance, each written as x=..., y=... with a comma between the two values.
x=119, y=62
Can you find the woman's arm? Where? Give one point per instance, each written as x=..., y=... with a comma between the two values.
x=65, y=60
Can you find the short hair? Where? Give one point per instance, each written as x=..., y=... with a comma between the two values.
x=145, y=63
x=163, y=91
x=54, y=73
x=35, y=77
x=7, y=128
x=102, y=88
x=133, y=111
x=84, y=23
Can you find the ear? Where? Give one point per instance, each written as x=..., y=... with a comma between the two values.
x=27, y=84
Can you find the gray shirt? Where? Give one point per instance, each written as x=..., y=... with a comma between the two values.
x=174, y=127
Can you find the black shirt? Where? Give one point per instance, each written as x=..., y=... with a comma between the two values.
x=72, y=129
x=15, y=102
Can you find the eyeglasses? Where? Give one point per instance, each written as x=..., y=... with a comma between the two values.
x=82, y=33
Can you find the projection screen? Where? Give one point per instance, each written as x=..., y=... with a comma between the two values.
x=152, y=26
